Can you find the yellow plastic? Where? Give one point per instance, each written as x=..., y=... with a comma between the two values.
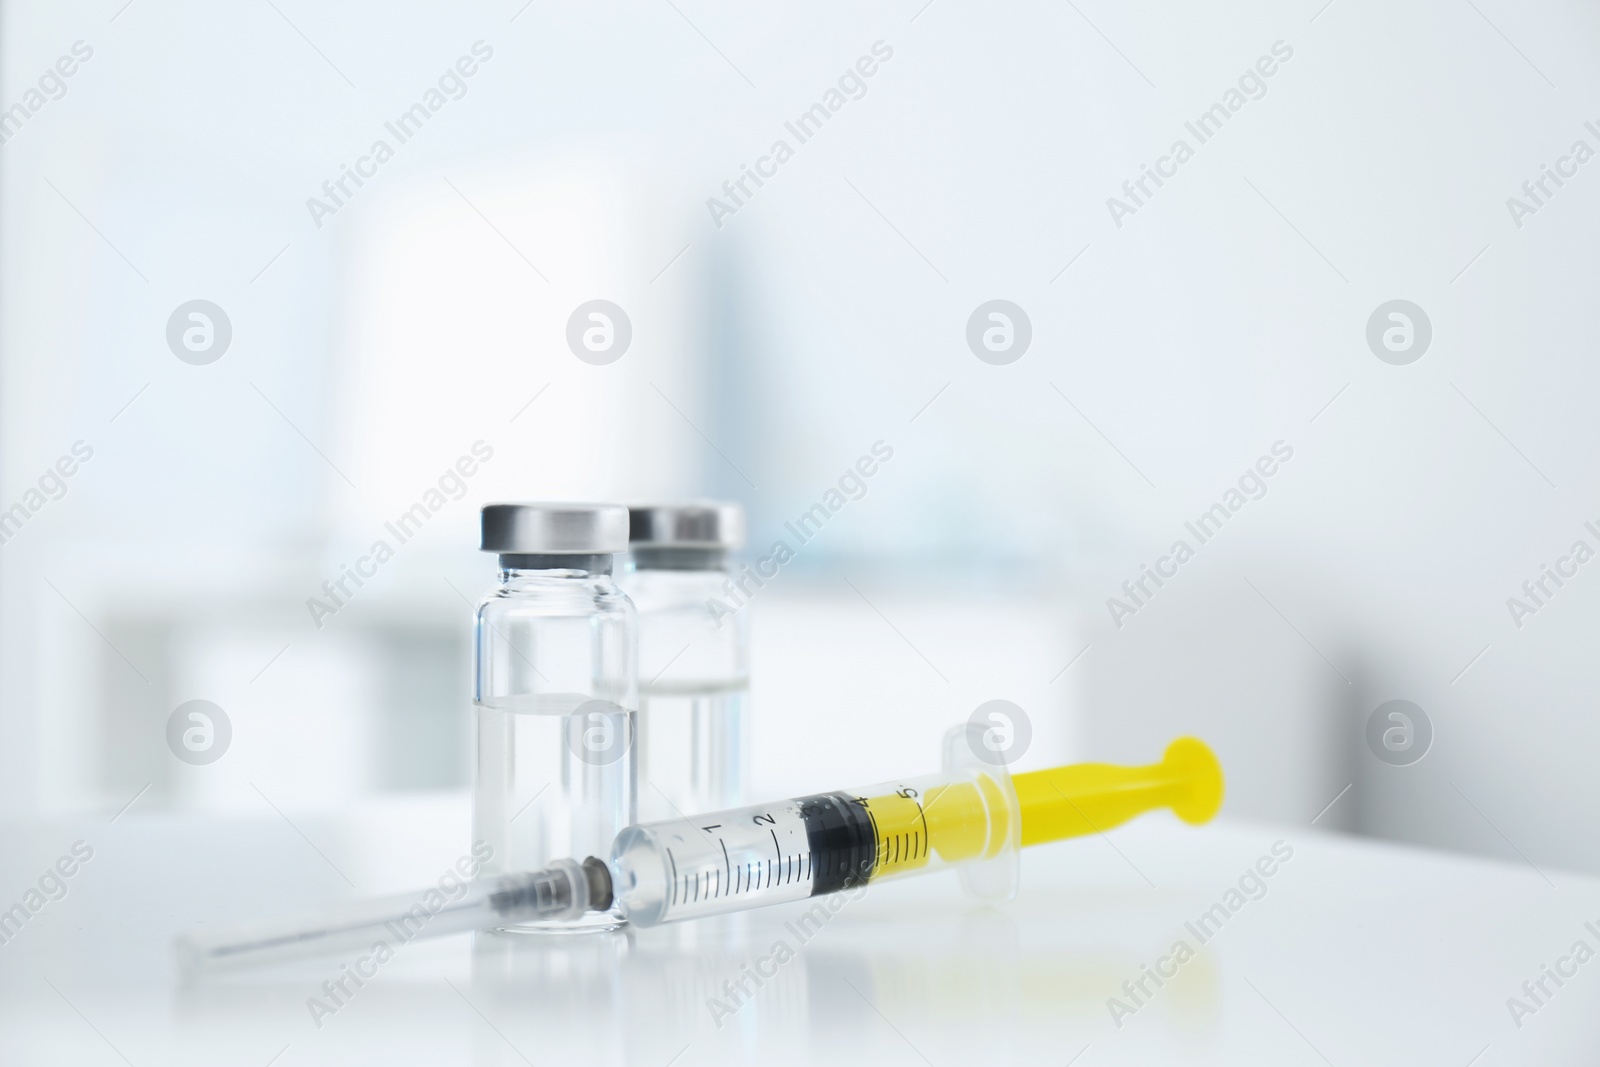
x=1086, y=798
x=903, y=832
x=958, y=821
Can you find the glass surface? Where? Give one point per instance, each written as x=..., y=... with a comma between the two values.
x=693, y=682
x=556, y=699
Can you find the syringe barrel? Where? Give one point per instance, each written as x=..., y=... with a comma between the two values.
x=808, y=846
x=563, y=890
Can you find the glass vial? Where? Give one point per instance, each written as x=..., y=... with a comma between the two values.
x=555, y=659
x=693, y=658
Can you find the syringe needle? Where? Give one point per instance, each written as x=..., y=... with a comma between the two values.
x=565, y=889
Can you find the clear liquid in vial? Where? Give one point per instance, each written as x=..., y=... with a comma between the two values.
x=691, y=748
x=550, y=779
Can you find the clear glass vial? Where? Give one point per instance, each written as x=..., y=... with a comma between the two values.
x=555, y=658
x=693, y=658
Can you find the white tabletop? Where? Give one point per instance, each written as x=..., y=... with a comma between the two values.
x=1351, y=952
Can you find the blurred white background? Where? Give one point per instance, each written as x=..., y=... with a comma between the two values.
x=373, y=346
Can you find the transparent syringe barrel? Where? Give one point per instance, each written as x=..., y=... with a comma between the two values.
x=806, y=846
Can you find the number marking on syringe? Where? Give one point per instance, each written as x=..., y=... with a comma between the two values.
x=796, y=864
x=901, y=840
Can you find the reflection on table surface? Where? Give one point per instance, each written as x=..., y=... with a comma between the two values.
x=1276, y=968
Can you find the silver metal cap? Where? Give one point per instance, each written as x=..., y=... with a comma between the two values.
x=555, y=529
x=700, y=524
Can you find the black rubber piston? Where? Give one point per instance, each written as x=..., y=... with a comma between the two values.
x=843, y=840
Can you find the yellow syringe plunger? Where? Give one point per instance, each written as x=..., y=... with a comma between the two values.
x=978, y=817
x=1085, y=798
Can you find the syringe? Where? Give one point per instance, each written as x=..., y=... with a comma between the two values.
x=974, y=816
